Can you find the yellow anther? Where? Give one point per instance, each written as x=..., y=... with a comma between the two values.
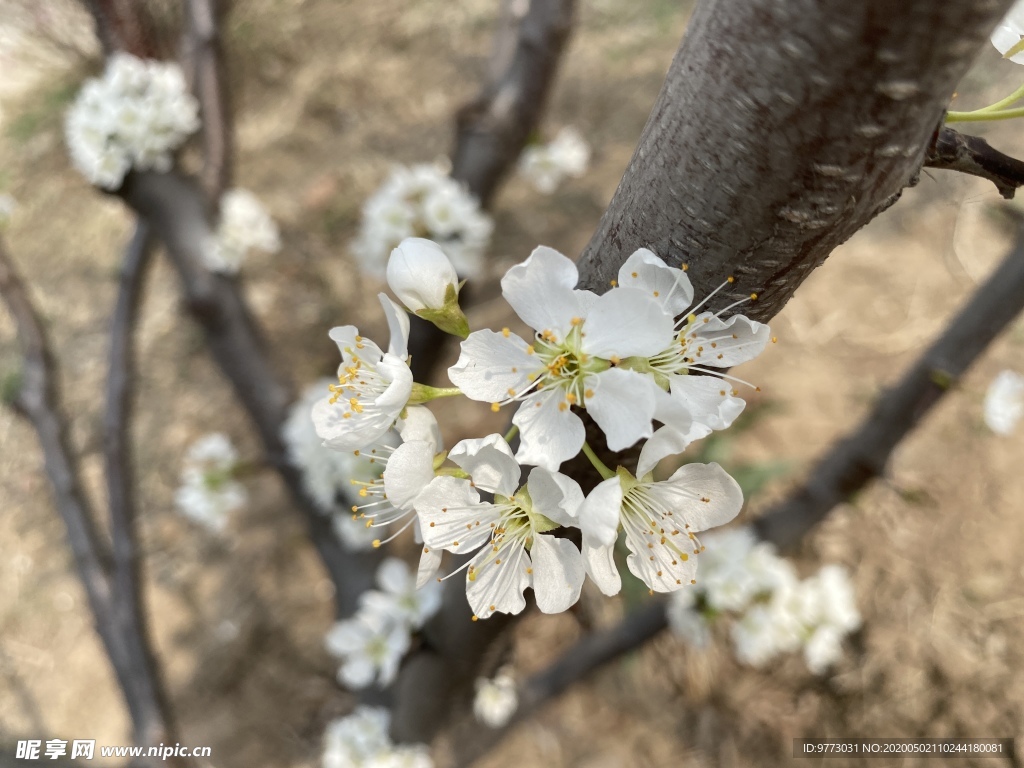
x=562, y=406
x=475, y=617
x=685, y=267
x=589, y=393
x=614, y=283
x=505, y=332
x=753, y=297
x=529, y=349
x=576, y=320
x=634, y=274
x=656, y=294
x=615, y=359
x=376, y=543
x=511, y=392
x=775, y=339
x=495, y=407
x=570, y=397
x=730, y=279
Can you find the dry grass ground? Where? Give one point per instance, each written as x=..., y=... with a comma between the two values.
x=328, y=95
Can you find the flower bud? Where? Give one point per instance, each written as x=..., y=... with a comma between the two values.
x=424, y=280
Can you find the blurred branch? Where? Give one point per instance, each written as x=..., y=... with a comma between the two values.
x=38, y=399
x=204, y=64
x=124, y=25
x=174, y=206
x=953, y=151
x=492, y=129
x=864, y=454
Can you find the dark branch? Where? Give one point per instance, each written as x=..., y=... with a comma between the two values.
x=124, y=25
x=176, y=209
x=147, y=700
x=973, y=155
x=204, y=63
x=494, y=127
x=864, y=454
x=587, y=655
x=38, y=399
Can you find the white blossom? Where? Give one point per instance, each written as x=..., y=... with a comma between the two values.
x=546, y=165
x=420, y=274
x=660, y=520
x=361, y=741
x=1004, y=402
x=370, y=646
x=244, y=224
x=423, y=201
x=373, y=386
x=1010, y=32
x=510, y=537
x=132, y=117
x=208, y=491
x=496, y=700
x=686, y=619
x=8, y=205
x=572, y=360
x=399, y=595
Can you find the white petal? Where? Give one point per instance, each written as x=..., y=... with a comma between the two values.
x=410, y=469
x=689, y=484
x=622, y=404
x=625, y=322
x=599, y=561
x=667, y=441
x=499, y=587
x=558, y=573
x=645, y=271
x=419, y=274
x=430, y=561
x=729, y=342
x=555, y=496
x=540, y=290
x=393, y=399
x=599, y=513
x=490, y=364
x=347, y=336
x=352, y=434
x=420, y=424
x=489, y=461
x=1004, y=402
x=548, y=434
x=393, y=576
x=708, y=399
x=656, y=565
x=398, y=324
x=446, y=507
x=357, y=672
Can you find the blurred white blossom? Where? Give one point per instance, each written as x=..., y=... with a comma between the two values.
x=1010, y=32
x=545, y=166
x=496, y=700
x=244, y=224
x=134, y=116
x=422, y=201
x=1004, y=402
x=370, y=646
x=361, y=741
x=208, y=491
x=399, y=597
x=8, y=205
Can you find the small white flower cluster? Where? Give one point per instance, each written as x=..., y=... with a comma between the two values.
x=496, y=700
x=545, y=166
x=423, y=201
x=132, y=117
x=8, y=205
x=208, y=491
x=776, y=611
x=1004, y=402
x=371, y=644
x=622, y=357
x=361, y=741
x=244, y=224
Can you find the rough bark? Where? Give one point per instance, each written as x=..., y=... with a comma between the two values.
x=953, y=151
x=782, y=129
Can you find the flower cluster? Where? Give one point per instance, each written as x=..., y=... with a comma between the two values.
x=545, y=166
x=776, y=611
x=623, y=357
x=371, y=644
x=423, y=201
x=361, y=741
x=209, y=491
x=244, y=224
x=1008, y=37
x=1004, y=402
x=132, y=117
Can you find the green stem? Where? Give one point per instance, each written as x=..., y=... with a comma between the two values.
x=421, y=393
x=1018, y=94
x=979, y=116
x=511, y=433
x=599, y=465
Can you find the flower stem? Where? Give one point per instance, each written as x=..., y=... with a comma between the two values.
x=981, y=115
x=513, y=431
x=421, y=393
x=599, y=465
x=1018, y=94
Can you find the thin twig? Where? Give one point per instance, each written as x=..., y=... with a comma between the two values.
x=176, y=209
x=953, y=151
x=124, y=25
x=204, y=62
